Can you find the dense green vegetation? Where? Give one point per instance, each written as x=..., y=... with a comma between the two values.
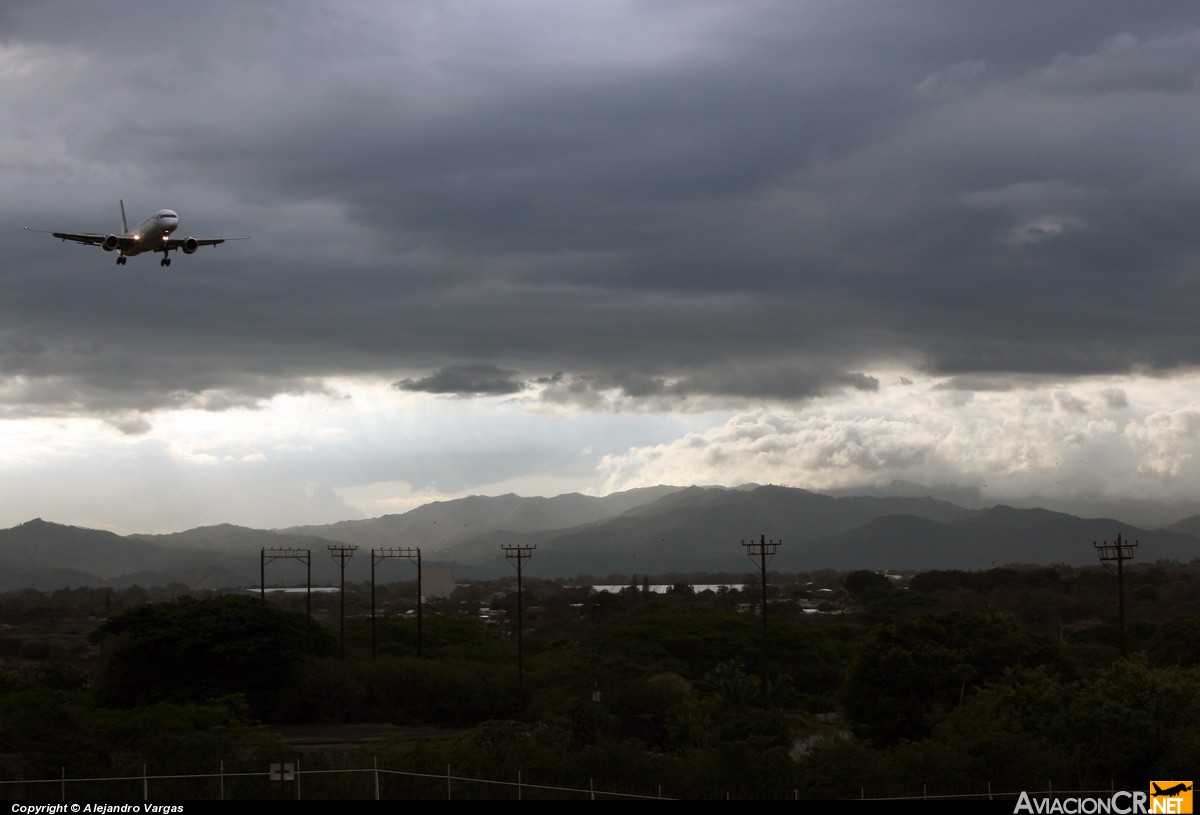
x=199, y=650
x=943, y=683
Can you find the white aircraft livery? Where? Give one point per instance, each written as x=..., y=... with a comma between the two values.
x=152, y=235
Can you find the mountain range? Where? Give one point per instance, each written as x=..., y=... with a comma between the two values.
x=647, y=531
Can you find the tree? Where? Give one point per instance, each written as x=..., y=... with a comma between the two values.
x=735, y=687
x=909, y=674
x=197, y=650
x=1131, y=721
x=1177, y=642
x=862, y=583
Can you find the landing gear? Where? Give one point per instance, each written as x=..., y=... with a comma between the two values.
x=165, y=262
x=121, y=260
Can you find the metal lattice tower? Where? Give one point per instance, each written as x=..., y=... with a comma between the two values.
x=378, y=556
x=342, y=554
x=269, y=555
x=518, y=555
x=761, y=552
x=1119, y=551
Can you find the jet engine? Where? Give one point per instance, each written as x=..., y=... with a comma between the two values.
x=110, y=243
x=190, y=245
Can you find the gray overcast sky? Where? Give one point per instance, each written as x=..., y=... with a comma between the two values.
x=546, y=246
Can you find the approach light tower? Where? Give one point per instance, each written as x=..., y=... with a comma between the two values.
x=761, y=552
x=342, y=553
x=1120, y=551
x=378, y=556
x=269, y=555
x=519, y=554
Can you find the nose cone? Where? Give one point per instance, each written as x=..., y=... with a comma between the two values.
x=167, y=219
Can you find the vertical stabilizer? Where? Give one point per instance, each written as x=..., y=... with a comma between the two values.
x=124, y=226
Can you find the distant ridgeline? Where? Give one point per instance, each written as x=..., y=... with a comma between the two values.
x=662, y=530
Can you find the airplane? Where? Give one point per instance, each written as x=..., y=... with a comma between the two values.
x=1178, y=789
x=152, y=235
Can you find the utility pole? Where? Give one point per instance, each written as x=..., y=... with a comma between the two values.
x=342, y=553
x=518, y=555
x=761, y=552
x=1120, y=551
x=377, y=556
x=268, y=555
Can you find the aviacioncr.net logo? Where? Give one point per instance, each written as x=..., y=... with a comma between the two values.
x=1163, y=798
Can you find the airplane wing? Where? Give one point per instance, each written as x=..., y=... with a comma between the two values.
x=194, y=243
x=85, y=238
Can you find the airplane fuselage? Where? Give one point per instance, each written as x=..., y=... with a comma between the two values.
x=150, y=233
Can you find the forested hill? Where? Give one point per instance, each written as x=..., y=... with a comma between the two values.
x=440, y=524
x=653, y=531
x=701, y=530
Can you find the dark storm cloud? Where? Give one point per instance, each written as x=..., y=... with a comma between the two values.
x=478, y=379
x=664, y=201
x=761, y=380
